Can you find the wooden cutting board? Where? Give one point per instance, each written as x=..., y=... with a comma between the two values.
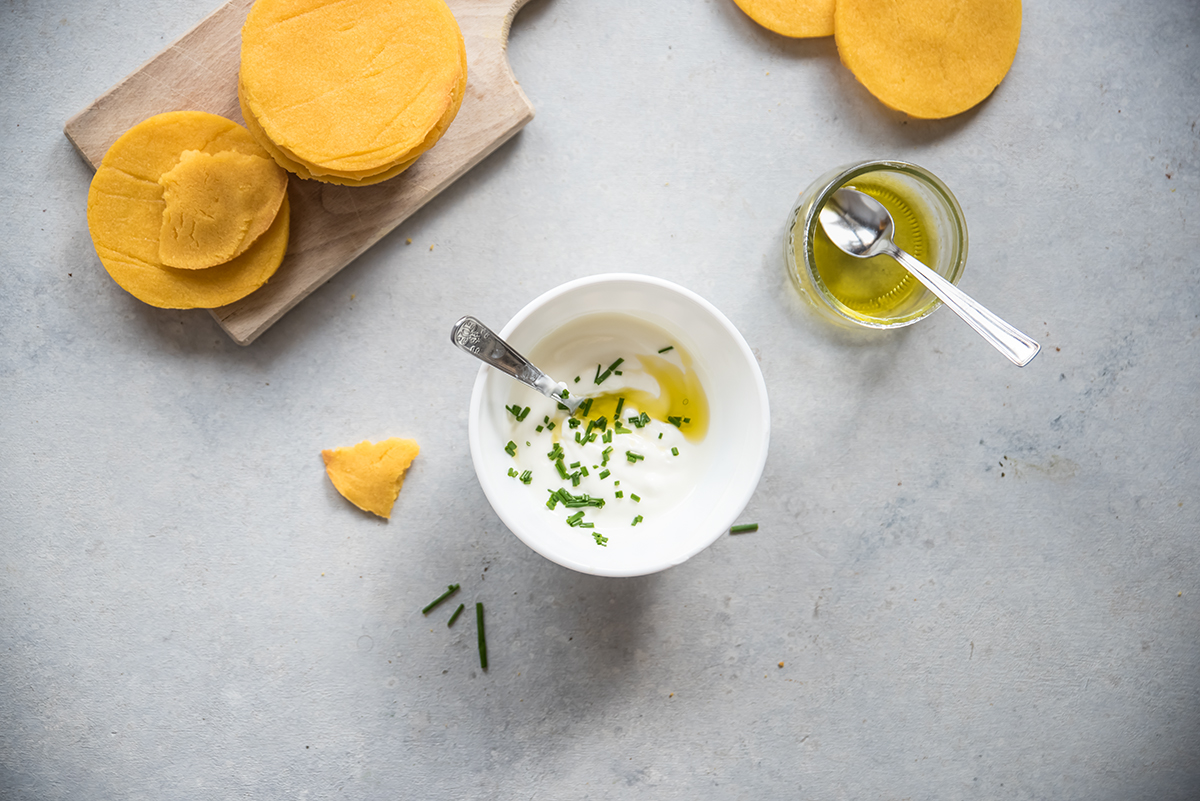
x=330, y=225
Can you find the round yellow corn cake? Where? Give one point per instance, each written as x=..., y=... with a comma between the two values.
x=796, y=18
x=928, y=58
x=350, y=87
x=216, y=205
x=126, y=207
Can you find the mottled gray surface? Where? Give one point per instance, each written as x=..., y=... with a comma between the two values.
x=982, y=581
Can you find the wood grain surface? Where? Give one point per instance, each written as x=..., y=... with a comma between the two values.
x=331, y=225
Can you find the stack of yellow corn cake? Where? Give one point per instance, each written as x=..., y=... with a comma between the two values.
x=350, y=91
x=187, y=211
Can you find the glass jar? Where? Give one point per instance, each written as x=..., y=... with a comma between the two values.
x=877, y=292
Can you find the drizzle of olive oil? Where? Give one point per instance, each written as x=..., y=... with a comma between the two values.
x=680, y=395
x=878, y=286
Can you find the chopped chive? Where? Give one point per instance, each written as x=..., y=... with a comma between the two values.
x=575, y=501
x=482, y=639
x=620, y=494
x=601, y=377
x=539, y=429
x=527, y=477
x=605, y=473
x=450, y=590
x=584, y=471
x=528, y=443
x=674, y=451
x=617, y=483
x=546, y=418
x=600, y=539
x=599, y=367
x=550, y=427
x=605, y=455
x=607, y=436
x=586, y=407
x=573, y=465
x=687, y=420
x=561, y=468
x=564, y=394
x=635, y=498
x=574, y=519
x=556, y=452
x=576, y=379
x=454, y=617
x=574, y=422
x=660, y=435
x=512, y=472
x=743, y=528
x=645, y=419
x=524, y=413
x=675, y=421
x=667, y=348
x=634, y=457
x=511, y=448
x=575, y=479
x=620, y=405
x=636, y=520
x=587, y=525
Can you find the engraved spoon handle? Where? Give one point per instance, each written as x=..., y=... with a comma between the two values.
x=481, y=342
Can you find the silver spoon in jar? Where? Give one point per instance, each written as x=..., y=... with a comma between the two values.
x=478, y=340
x=860, y=225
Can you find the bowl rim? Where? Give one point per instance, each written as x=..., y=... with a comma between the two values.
x=759, y=394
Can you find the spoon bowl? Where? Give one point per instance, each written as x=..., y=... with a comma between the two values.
x=857, y=223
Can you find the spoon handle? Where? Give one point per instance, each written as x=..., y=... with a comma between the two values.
x=1019, y=348
x=478, y=340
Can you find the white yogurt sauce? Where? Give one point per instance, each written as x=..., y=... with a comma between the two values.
x=656, y=377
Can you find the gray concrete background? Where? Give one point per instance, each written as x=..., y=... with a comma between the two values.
x=982, y=581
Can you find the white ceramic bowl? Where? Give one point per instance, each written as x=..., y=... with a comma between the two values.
x=737, y=439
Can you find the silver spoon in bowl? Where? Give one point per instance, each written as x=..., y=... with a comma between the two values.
x=861, y=226
x=478, y=340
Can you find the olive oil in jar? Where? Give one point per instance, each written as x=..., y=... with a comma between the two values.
x=877, y=287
